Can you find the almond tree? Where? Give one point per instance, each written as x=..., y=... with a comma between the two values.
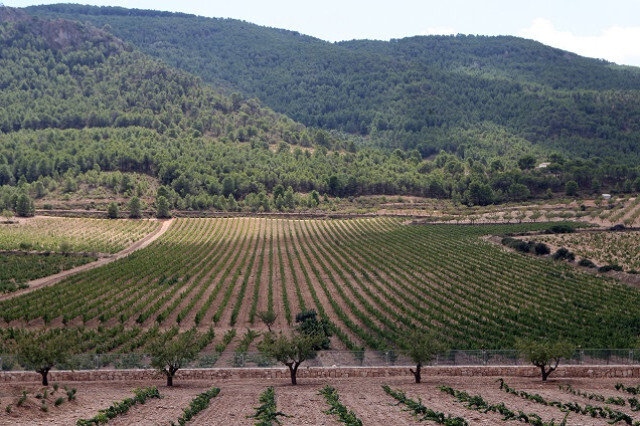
x=422, y=347
x=40, y=351
x=544, y=354
x=171, y=352
x=290, y=351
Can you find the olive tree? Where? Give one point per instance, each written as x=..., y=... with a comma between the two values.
x=422, y=347
x=40, y=351
x=544, y=354
x=290, y=350
x=171, y=351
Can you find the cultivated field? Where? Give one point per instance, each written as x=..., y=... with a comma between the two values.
x=372, y=278
x=584, y=402
x=623, y=210
x=17, y=269
x=604, y=248
x=79, y=235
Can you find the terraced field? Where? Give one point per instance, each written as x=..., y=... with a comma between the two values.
x=604, y=248
x=79, y=234
x=372, y=278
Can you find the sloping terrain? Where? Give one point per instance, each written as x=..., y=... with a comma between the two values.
x=425, y=92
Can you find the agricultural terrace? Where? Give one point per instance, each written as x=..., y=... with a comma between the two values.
x=604, y=248
x=77, y=234
x=372, y=278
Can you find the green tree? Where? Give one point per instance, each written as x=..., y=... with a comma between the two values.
x=7, y=215
x=171, y=351
x=314, y=199
x=544, y=354
x=40, y=190
x=479, y=194
x=290, y=351
x=24, y=206
x=162, y=208
x=309, y=324
x=519, y=192
x=135, y=207
x=422, y=347
x=113, y=211
x=527, y=162
x=41, y=351
x=571, y=188
x=268, y=318
x=289, y=199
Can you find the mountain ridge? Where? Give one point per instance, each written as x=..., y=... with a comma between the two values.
x=414, y=93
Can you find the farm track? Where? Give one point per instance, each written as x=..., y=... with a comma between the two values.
x=54, y=279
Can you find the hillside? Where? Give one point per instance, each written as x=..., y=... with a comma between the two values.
x=80, y=103
x=458, y=93
x=90, y=120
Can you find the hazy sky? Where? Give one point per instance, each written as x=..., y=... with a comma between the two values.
x=597, y=28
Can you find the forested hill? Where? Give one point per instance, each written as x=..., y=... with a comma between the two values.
x=64, y=74
x=465, y=94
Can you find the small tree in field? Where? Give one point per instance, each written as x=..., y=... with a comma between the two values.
x=41, y=351
x=162, y=208
x=268, y=318
x=135, y=207
x=170, y=352
x=7, y=215
x=544, y=355
x=24, y=206
x=113, y=211
x=422, y=347
x=290, y=351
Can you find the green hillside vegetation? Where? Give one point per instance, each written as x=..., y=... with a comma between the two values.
x=428, y=93
x=80, y=102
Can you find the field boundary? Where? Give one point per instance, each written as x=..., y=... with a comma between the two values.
x=54, y=279
x=570, y=371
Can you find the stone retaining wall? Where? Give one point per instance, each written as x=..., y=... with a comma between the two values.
x=325, y=372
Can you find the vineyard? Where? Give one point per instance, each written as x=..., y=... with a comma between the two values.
x=452, y=401
x=76, y=235
x=604, y=248
x=17, y=269
x=371, y=278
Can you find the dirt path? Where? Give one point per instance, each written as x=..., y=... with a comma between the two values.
x=54, y=279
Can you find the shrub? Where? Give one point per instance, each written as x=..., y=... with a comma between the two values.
x=541, y=249
x=564, y=254
x=586, y=263
x=561, y=229
x=607, y=268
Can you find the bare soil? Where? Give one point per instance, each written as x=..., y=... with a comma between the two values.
x=239, y=397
